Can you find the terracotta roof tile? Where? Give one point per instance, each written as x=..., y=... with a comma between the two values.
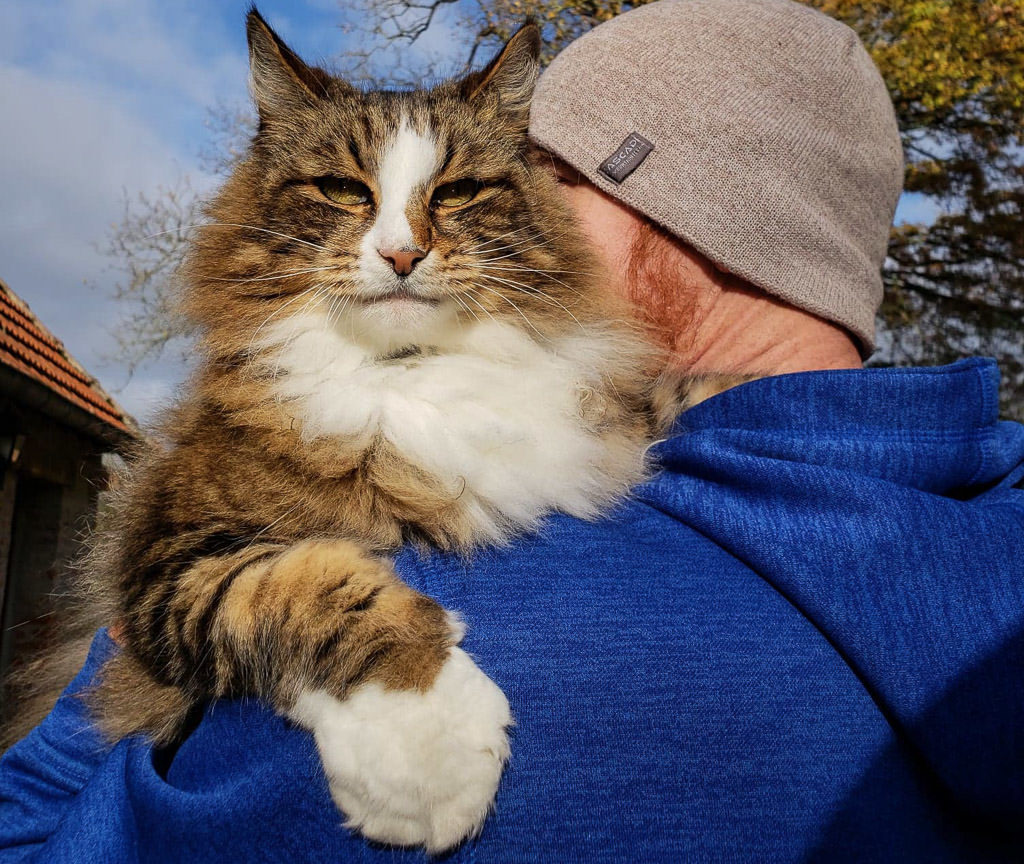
x=28, y=347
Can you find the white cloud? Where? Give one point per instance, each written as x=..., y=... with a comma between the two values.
x=99, y=97
x=134, y=47
x=67, y=155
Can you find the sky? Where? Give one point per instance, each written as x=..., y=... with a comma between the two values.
x=106, y=98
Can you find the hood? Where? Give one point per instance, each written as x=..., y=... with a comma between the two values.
x=881, y=504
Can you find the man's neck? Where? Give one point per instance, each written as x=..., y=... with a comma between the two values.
x=740, y=331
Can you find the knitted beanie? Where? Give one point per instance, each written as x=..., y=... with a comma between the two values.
x=757, y=131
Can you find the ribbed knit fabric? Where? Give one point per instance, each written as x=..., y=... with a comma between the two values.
x=776, y=151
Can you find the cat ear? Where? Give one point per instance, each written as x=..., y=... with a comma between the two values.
x=512, y=74
x=280, y=81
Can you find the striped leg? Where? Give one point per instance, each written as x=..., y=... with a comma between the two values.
x=269, y=621
x=411, y=733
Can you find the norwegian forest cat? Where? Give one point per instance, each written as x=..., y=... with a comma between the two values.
x=400, y=340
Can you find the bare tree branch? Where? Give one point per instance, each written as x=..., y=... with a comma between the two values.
x=147, y=247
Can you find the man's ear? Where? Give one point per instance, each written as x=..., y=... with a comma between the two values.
x=511, y=75
x=280, y=81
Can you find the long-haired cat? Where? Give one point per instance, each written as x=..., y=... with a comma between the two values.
x=400, y=340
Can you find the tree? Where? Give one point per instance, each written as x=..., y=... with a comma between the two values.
x=147, y=247
x=148, y=244
x=955, y=69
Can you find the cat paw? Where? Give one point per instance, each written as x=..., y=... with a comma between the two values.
x=410, y=768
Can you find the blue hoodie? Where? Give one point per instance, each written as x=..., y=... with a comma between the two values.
x=803, y=640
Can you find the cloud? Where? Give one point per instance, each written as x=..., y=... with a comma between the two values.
x=68, y=154
x=99, y=98
x=136, y=49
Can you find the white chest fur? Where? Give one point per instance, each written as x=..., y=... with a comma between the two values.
x=486, y=409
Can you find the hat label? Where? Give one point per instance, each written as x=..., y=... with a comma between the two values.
x=627, y=158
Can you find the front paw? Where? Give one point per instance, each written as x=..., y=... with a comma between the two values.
x=413, y=768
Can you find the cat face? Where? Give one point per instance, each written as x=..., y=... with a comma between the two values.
x=392, y=292
x=394, y=214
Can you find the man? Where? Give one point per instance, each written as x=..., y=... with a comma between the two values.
x=762, y=136
x=803, y=639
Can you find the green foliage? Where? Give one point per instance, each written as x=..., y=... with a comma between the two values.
x=955, y=70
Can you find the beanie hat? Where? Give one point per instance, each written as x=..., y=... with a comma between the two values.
x=757, y=131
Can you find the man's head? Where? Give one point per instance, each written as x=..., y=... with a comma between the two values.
x=758, y=132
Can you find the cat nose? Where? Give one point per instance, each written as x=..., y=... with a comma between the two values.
x=403, y=260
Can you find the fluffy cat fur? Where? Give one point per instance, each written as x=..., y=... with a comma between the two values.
x=377, y=366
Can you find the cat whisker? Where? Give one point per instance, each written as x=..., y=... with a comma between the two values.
x=320, y=295
x=544, y=236
x=464, y=306
x=476, y=250
x=30, y=620
x=266, y=231
x=534, y=292
x=237, y=225
x=310, y=291
x=480, y=305
x=545, y=273
x=543, y=242
x=514, y=306
x=542, y=271
x=283, y=274
x=499, y=237
x=337, y=309
x=330, y=309
x=276, y=312
x=350, y=301
x=541, y=235
x=266, y=528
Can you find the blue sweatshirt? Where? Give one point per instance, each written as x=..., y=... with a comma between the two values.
x=803, y=640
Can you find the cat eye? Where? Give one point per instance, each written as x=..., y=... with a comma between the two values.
x=456, y=194
x=345, y=191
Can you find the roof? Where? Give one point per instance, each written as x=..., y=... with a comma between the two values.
x=28, y=347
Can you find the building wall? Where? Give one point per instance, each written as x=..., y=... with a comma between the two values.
x=46, y=507
x=9, y=479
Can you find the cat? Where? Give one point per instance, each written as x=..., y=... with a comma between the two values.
x=401, y=340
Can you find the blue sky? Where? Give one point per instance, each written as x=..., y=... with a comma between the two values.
x=104, y=97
